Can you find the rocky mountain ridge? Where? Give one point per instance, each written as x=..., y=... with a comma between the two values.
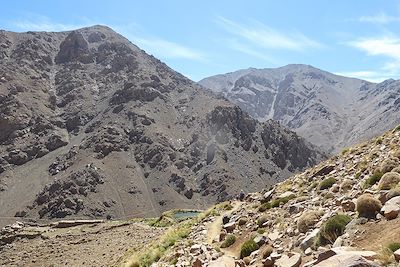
x=94, y=127
x=328, y=110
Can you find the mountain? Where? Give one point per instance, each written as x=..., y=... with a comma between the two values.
x=328, y=110
x=92, y=126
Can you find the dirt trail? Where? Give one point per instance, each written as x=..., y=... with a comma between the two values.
x=215, y=227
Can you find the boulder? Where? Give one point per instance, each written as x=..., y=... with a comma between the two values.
x=309, y=240
x=346, y=261
x=224, y=261
x=291, y=260
x=229, y=227
x=397, y=255
x=324, y=170
x=260, y=240
x=391, y=209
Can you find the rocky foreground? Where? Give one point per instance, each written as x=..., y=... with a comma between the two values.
x=343, y=212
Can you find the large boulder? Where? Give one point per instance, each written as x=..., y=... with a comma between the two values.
x=348, y=260
x=391, y=209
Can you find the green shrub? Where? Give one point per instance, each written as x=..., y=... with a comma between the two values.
x=327, y=183
x=262, y=220
x=393, y=246
x=333, y=228
x=264, y=207
x=368, y=206
x=242, y=221
x=229, y=241
x=276, y=202
x=260, y=231
x=387, y=165
x=247, y=248
x=373, y=179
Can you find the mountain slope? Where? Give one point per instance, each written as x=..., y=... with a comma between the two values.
x=328, y=110
x=92, y=126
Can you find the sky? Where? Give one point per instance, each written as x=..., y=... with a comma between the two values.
x=358, y=38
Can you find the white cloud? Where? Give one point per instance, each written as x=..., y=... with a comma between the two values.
x=166, y=49
x=388, y=46
x=266, y=37
x=380, y=18
x=371, y=76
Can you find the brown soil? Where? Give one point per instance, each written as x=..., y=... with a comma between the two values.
x=375, y=236
x=87, y=245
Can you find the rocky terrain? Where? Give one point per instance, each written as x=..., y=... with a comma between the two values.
x=343, y=212
x=330, y=111
x=93, y=127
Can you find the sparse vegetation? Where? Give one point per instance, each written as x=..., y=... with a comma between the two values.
x=393, y=193
x=394, y=246
x=260, y=231
x=247, y=248
x=327, y=183
x=308, y=220
x=277, y=202
x=389, y=180
x=229, y=241
x=368, y=206
x=263, y=219
x=387, y=165
x=373, y=179
x=264, y=207
x=333, y=228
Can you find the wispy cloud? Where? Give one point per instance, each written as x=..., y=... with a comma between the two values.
x=36, y=22
x=380, y=18
x=157, y=46
x=387, y=47
x=266, y=37
x=167, y=49
x=371, y=76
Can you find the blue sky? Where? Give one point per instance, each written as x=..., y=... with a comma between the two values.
x=359, y=38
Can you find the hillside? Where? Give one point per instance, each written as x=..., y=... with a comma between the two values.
x=330, y=111
x=343, y=212
x=93, y=127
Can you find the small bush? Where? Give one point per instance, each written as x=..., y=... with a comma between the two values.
x=333, y=228
x=247, y=248
x=387, y=165
x=308, y=220
x=393, y=246
x=242, y=221
x=368, y=206
x=393, y=193
x=389, y=180
x=262, y=220
x=346, y=185
x=327, y=183
x=260, y=231
x=397, y=169
x=229, y=241
x=276, y=202
x=373, y=179
x=267, y=251
x=264, y=207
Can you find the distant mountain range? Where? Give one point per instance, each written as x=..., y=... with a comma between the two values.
x=92, y=126
x=328, y=110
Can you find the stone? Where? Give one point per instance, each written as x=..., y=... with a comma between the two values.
x=274, y=235
x=287, y=194
x=224, y=261
x=346, y=261
x=294, y=260
x=348, y=205
x=229, y=227
x=324, y=170
x=391, y=209
x=268, y=195
x=260, y=240
x=268, y=262
x=397, y=255
x=197, y=263
x=309, y=240
x=369, y=255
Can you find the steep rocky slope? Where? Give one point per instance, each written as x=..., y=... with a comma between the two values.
x=344, y=212
x=92, y=126
x=328, y=110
